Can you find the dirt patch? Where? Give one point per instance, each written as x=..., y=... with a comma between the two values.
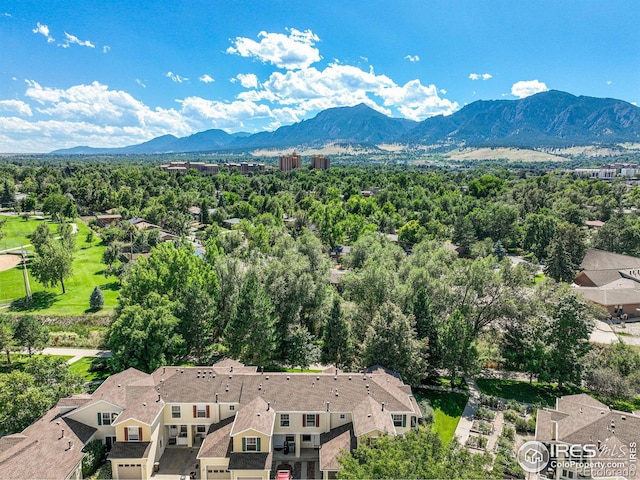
x=7, y=262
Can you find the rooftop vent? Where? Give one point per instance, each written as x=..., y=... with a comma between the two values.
x=288, y=377
x=349, y=377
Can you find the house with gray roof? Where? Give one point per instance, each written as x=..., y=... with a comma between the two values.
x=611, y=280
x=588, y=439
x=242, y=423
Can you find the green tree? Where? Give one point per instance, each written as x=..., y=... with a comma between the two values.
x=145, y=337
x=55, y=205
x=40, y=236
x=96, y=300
x=538, y=230
x=52, y=264
x=29, y=333
x=418, y=454
x=457, y=338
x=411, y=232
x=7, y=325
x=568, y=340
x=391, y=341
x=565, y=253
x=301, y=350
x=29, y=203
x=8, y=195
x=3, y=221
x=337, y=345
x=250, y=333
x=524, y=345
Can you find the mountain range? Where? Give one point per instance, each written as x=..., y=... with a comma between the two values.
x=547, y=119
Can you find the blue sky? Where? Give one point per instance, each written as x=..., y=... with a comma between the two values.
x=113, y=73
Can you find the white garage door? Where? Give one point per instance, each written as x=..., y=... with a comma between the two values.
x=219, y=473
x=130, y=471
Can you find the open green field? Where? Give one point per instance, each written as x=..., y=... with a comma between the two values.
x=17, y=231
x=447, y=408
x=87, y=273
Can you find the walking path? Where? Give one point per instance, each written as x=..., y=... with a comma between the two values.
x=74, y=230
x=466, y=420
x=76, y=353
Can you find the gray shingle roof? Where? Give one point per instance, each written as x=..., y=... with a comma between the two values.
x=130, y=450
x=42, y=444
x=334, y=443
x=369, y=416
x=250, y=461
x=218, y=441
x=256, y=415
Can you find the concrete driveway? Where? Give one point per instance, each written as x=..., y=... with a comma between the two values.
x=178, y=462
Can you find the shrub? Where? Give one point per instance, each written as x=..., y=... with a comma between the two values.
x=485, y=414
x=489, y=401
x=508, y=433
x=484, y=428
x=511, y=416
x=427, y=412
x=517, y=406
x=96, y=300
x=89, y=238
x=525, y=426
x=94, y=456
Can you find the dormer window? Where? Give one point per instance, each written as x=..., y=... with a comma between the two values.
x=106, y=418
x=250, y=444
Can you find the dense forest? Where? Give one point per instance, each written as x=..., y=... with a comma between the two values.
x=401, y=266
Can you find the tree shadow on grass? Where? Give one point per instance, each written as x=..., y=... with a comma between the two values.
x=110, y=286
x=39, y=301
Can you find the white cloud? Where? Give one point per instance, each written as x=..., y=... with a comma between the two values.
x=44, y=31
x=247, y=80
x=6, y=14
x=176, y=78
x=609, y=82
x=526, y=88
x=412, y=58
x=16, y=106
x=364, y=59
x=478, y=76
x=206, y=78
x=293, y=51
x=106, y=49
x=73, y=40
x=141, y=83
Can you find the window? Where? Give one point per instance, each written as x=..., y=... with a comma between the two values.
x=133, y=434
x=310, y=420
x=343, y=416
x=106, y=418
x=176, y=411
x=201, y=429
x=371, y=441
x=306, y=438
x=201, y=411
x=284, y=419
x=250, y=444
x=399, y=420
x=232, y=408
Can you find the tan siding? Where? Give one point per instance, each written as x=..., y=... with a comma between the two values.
x=265, y=440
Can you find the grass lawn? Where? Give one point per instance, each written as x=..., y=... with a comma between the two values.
x=19, y=359
x=17, y=230
x=447, y=408
x=83, y=365
x=87, y=272
x=538, y=393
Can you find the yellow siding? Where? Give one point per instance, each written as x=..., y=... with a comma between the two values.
x=362, y=439
x=337, y=422
x=146, y=430
x=295, y=425
x=265, y=440
x=218, y=463
x=89, y=416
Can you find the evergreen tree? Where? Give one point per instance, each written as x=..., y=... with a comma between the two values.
x=250, y=333
x=391, y=341
x=337, y=346
x=96, y=300
x=301, y=351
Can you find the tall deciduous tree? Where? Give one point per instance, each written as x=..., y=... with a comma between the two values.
x=29, y=333
x=40, y=236
x=457, y=339
x=146, y=337
x=52, y=264
x=7, y=325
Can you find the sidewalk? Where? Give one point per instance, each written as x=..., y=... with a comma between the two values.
x=466, y=420
x=76, y=353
